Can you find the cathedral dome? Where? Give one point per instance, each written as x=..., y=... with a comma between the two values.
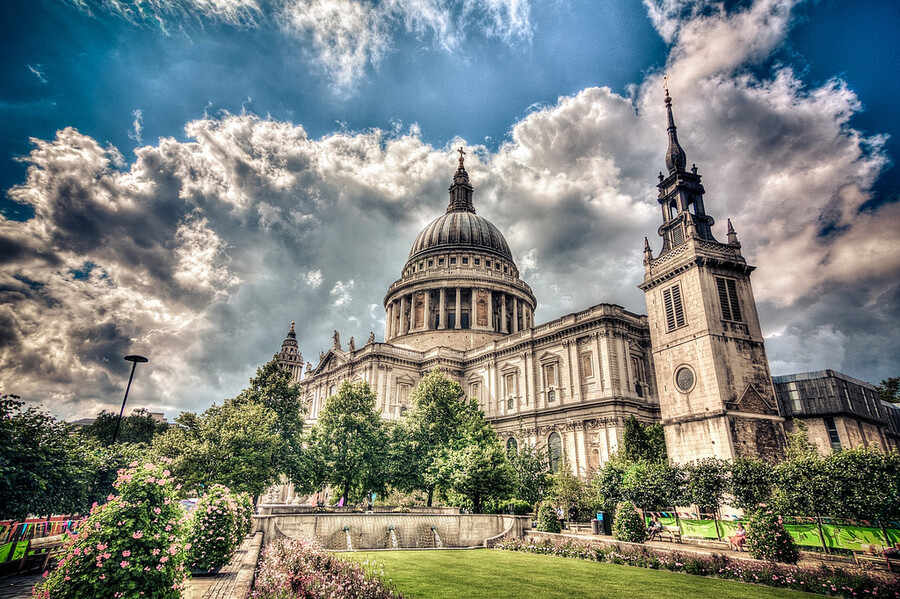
x=462, y=229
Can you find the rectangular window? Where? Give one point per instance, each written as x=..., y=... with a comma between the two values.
x=477, y=262
x=550, y=375
x=487, y=263
x=509, y=384
x=794, y=396
x=452, y=260
x=677, y=235
x=728, y=299
x=431, y=263
x=440, y=261
x=587, y=365
x=551, y=396
x=465, y=260
x=674, y=307
x=833, y=434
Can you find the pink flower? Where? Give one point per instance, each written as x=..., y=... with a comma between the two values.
x=124, y=564
x=156, y=551
x=137, y=535
x=164, y=559
x=126, y=553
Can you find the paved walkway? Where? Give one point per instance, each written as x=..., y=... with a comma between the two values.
x=233, y=579
x=18, y=587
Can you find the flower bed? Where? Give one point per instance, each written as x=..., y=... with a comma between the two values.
x=301, y=569
x=833, y=582
x=130, y=546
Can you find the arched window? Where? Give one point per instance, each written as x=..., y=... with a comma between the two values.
x=554, y=446
x=512, y=446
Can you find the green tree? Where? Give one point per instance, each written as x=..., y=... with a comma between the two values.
x=653, y=486
x=236, y=445
x=865, y=483
x=609, y=482
x=803, y=486
x=643, y=442
x=349, y=442
x=139, y=427
x=475, y=469
x=274, y=388
x=752, y=483
x=798, y=443
x=707, y=483
x=531, y=465
x=438, y=412
x=42, y=465
x=628, y=524
x=889, y=389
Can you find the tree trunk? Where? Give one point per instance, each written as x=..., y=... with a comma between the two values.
x=821, y=533
x=346, y=494
x=716, y=521
x=430, y=495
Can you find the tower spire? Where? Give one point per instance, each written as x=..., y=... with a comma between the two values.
x=461, y=190
x=676, y=159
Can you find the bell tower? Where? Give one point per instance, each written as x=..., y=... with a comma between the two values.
x=715, y=391
x=290, y=357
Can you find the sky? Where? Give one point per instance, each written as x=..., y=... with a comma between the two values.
x=184, y=178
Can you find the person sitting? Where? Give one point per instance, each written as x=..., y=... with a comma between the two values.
x=653, y=529
x=738, y=538
x=891, y=551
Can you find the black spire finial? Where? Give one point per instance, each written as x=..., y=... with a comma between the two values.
x=676, y=159
x=461, y=190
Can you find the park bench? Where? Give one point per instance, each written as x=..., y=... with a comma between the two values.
x=880, y=562
x=672, y=532
x=41, y=550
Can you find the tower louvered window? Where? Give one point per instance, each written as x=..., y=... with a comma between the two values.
x=674, y=307
x=728, y=299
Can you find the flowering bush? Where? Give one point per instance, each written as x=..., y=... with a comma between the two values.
x=767, y=539
x=298, y=568
x=628, y=525
x=546, y=517
x=833, y=582
x=245, y=514
x=128, y=547
x=215, y=529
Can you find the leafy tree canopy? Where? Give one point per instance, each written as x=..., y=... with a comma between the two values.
x=752, y=483
x=798, y=443
x=349, y=442
x=644, y=441
x=889, y=389
x=138, y=427
x=531, y=464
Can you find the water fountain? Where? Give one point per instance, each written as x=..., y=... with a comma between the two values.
x=437, y=538
x=394, y=542
x=349, y=540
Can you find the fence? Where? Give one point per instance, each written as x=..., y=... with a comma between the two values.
x=837, y=533
x=14, y=536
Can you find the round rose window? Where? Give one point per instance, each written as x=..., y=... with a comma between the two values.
x=684, y=378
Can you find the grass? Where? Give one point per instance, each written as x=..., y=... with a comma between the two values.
x=496, y=574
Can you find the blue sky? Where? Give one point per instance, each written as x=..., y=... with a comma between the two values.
x=205, y=171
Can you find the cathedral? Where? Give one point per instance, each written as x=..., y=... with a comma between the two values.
x=696, y=361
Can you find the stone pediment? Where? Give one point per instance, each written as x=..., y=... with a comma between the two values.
x=751, y=400
x=335, y=358
x=548, y=357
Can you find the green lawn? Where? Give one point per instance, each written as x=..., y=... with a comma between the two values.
x=496, y=574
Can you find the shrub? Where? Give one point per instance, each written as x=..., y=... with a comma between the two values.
x=546, y=517
x=214, y=531
x=245, y=514
x=768, y=540
x=516, y=507
x=300, y=568
x=131, y=544
x=628, y=525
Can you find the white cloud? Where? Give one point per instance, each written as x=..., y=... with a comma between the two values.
x=340, y=293
x=38, y=71
x=137, y=126
x=192, y=255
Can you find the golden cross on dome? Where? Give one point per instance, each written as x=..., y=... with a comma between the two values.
x=461, y=154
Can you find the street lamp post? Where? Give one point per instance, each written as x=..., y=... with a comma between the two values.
x=135, y=360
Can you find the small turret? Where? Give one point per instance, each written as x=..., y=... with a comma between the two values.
x=461, y=190
x=290, y=357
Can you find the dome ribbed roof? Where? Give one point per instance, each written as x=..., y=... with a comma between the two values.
x=463, y=230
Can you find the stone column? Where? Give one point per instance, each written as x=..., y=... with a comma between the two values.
x=403, y=320
x=458, y=323
x=425, y=323
x=389, y=322
x=503, y=328
x=515, y=314
x=442, y=309
x=490, y=314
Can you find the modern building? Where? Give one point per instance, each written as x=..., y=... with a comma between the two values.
x=840, y=412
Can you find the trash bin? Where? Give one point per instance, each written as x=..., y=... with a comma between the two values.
x=604, y=523
x=595, y=526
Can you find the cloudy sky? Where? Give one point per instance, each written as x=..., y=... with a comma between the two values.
x=183, y=178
